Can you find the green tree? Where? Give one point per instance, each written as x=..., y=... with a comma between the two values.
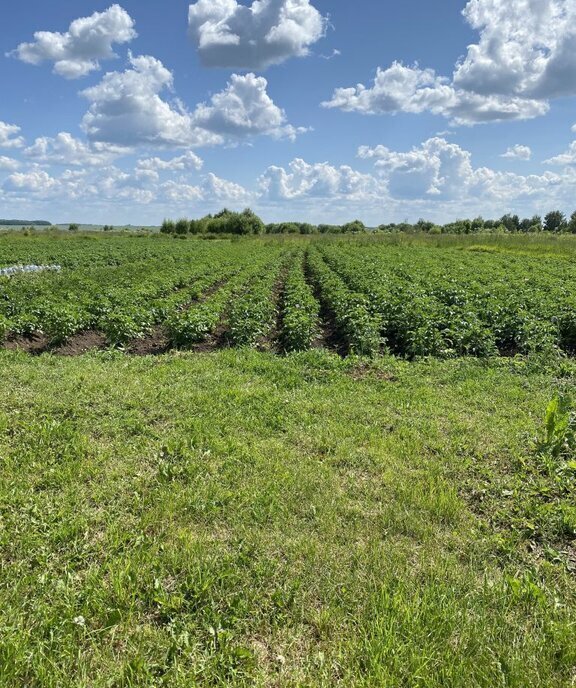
x=354, y=226
x=167, y=227
x=555, y=221
x=572, y=223
x=182, y=226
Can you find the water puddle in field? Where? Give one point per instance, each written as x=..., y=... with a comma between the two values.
x=22, y=269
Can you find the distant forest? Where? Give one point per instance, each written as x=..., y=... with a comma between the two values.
x=25, y=223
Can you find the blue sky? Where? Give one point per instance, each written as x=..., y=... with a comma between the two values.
x=302, y=109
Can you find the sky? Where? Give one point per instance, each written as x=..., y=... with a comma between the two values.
x=309, y=110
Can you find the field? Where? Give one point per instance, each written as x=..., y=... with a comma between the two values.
x=363, y=297
x=287, y=462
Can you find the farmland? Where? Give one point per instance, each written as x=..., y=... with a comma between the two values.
x=287, y=461
x=360, y=297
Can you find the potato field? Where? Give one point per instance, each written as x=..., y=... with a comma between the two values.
x=318, y=461
x=363, y=296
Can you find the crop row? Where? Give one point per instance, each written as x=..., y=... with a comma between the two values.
x=123, y=301
x=361, y=297
x=300, y=310
x=444, y=302
x=245, y=321
x=357, y=326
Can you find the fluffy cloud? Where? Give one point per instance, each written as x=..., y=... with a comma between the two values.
x=142, y=186
x=526, y=48
x=212, y=190
x=8, y=163
x=518, y=152
x=436, y=169
x=441, y=171
x=216, y=189
x=9, y=136
x=228, y=34
x=188, y=161
x=77, y=52
x=64, y=149
x=525, y=57
x=567, y=158
x=402, y=88
x=126, y=109
x=320, y=180
x=35, y=181
x=244, y=108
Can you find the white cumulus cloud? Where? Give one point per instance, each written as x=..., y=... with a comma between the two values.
x=34, y=181
x=319, y=180
x=567, y=158
x=526, y=48
x=244, y=108
x=127, y=109
x=441, y=171
x=78, y=51
x=64, y=149
x=518, y=152
x=402, y=88
x=436, y=169
x=9, y=137
x=524, y=58
x=217, y=189
x=228, y=34
x=8, y=163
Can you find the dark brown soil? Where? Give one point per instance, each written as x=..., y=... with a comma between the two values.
x=157, y=342
x=81, y=343
x=273, y=340
x=34, y=344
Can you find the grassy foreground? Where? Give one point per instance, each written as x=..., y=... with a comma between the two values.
x=237, y=519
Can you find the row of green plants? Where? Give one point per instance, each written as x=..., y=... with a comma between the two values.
x=410, y=299
x=358, y=327
x=123, y=299
x=300, y=309
x=196, y=324
x=450, y=302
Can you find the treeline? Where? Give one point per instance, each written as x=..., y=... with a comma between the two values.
x=247, y=222
x=25, y=223
x=555, y=221
x=224, y=222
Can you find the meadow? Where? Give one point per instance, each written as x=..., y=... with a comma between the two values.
x=287, y=462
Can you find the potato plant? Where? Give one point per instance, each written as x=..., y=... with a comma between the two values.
x=300, y=310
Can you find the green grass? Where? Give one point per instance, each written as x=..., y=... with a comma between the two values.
x=240, y=519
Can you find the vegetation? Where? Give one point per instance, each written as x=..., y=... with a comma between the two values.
x=363, y=473
x=233, y=519
x=227, y=222
x=224, y=222
x=411, y=298
x=25, y=223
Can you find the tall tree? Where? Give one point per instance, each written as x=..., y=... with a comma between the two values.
x=555, y=221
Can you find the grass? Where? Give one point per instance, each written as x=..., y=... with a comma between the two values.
x=239, y=519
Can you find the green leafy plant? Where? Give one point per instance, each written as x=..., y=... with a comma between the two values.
x=559, y=438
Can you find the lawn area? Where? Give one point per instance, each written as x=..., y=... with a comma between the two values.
x=244, y=519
